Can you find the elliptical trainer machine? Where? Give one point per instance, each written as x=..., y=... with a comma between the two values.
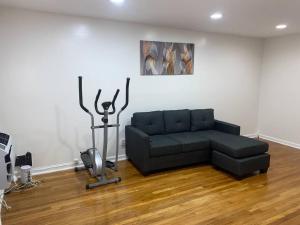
x=91, y=158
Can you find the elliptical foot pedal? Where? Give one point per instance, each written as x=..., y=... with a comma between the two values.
x=110, y=165
x=85, y=157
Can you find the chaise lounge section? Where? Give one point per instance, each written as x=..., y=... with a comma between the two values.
x=166, y=139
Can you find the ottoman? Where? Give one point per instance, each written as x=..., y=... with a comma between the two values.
x=240, y=155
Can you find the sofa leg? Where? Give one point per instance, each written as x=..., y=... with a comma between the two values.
x=216, y=167
x=264, y=170
x=146, y=174
x=239, y=177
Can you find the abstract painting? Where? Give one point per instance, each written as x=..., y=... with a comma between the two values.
x=166, y=58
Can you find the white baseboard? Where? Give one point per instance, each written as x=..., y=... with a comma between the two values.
x=53, y=168
x=273, y=139
x=71, y=165
x=251, y=135
x=64, y=166
x=280, y=141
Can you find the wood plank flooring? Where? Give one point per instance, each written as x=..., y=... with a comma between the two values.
x=193, y=195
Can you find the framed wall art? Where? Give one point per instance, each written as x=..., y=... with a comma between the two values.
x=166, y=58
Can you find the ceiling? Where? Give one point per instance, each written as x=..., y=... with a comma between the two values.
x=256, y=18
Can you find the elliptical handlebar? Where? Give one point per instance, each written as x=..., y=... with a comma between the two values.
x=113, y=102
x=96, y=103
x=80, y=95
x=127, y=94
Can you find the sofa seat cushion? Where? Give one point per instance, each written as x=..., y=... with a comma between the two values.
x=152, y=123
x=202, y=119
x=177, y=121
x=191, y=142
x=233, y=145
x=161, y=145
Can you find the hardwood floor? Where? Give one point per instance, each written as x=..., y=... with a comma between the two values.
x=193, y=195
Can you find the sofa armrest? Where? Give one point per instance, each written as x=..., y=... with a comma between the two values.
x=137, y=147
x=227, y=127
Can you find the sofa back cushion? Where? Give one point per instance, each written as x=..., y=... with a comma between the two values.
x=202, y=119
x=177, y=121
x=152, y=123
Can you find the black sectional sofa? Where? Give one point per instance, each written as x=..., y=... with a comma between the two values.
x=165, y=139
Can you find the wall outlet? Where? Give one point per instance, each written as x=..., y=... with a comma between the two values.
x=123, y=142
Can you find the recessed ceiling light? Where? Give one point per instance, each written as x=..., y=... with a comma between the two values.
x=281, y=26
x=216, y=16
x=117, y=2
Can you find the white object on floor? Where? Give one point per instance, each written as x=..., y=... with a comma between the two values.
x=25, y=174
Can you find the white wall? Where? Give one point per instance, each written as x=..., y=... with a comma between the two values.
x=42, y=55
x=279, y=92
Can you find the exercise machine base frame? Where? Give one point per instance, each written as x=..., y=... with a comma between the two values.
x=103, y=181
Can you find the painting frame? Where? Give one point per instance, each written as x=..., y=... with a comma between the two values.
x=166, y=58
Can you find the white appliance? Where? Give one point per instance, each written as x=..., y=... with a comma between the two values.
x=7, y=159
